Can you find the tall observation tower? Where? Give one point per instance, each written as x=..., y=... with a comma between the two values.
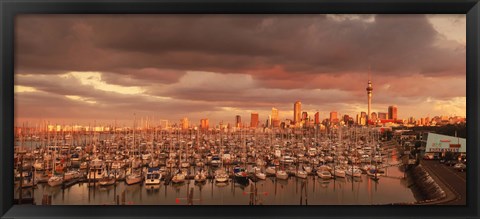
x=369, y=96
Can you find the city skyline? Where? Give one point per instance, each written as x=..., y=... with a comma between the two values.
x=236, y=65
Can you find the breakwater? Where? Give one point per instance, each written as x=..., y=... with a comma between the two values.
x=424, y=186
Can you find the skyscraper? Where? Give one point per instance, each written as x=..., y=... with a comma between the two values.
x=333, y=117
x=254, y=120
x=297, y=110
x=392, y=112
x=373, y=116
x=275, y=117
x=238, y=121
x=204, y=124
x=369, y=97
x=317, y=118
x=185, y=123
x=274, y=113
x=304, y=116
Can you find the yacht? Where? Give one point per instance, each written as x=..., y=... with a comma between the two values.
x=96, y=169
x=240, y=175
x=153, y=176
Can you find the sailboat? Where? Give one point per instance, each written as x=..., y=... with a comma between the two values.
x=179, y=177
x=133, y=178
x=55, y=180
x=221, y=176
x=200, y=176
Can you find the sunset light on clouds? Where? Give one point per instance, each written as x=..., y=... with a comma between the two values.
x=81, y=68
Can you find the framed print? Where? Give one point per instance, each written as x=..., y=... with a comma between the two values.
x=239, y=109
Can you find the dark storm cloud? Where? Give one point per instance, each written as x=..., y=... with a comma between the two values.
x=254, y=44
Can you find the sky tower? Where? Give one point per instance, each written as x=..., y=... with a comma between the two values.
x=369, y=96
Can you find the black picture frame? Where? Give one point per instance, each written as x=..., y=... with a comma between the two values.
x=10, y=8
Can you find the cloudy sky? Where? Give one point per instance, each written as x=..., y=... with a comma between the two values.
x=85, y=68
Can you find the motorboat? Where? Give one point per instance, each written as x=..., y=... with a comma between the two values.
x=96, y=170
x=240, y=175
x=153, y=176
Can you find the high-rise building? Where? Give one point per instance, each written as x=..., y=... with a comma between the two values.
x=363, y=114
x=333, y=117
x=275, y=122
x=392, y=112
x=369, y=97
x=373, y=117
x=164, y=124
x=346, y=118
x=184, y=123
x=204, y=124
x=304, y=116
x=238, y=121
x=297, y=109
x=382, y=115
x=275, y=114
x=317, y=118
x=254, y=120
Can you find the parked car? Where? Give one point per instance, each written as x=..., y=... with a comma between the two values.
x=428, y=156
x=460, y=167
x=450, y=162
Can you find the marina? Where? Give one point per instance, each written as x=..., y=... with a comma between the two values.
x=352, y=166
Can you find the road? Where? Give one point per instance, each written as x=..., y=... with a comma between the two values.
x=449, y=177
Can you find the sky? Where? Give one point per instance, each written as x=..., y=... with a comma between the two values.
x=103, y=68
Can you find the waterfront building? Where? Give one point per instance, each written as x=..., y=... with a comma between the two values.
x=382, y=116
